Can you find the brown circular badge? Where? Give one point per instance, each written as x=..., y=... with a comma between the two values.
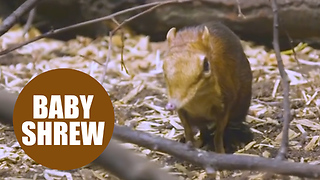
x=63, y=119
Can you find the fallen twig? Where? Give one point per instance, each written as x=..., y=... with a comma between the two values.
x=105, y=65
x=13, y=18
x=54, y=32
x=285, y=84
x=123, y=66
x=210, y=159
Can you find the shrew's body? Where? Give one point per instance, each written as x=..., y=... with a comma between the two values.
x=208, y=80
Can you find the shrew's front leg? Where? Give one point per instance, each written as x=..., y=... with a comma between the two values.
x=188, y=132
x=219, y=133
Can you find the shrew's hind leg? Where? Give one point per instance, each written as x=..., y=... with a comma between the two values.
x=206, y=135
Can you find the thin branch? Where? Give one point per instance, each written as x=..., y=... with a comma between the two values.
x=85, y=57
x=240, y=14
x=116, y=29
x=13, y=18
x=122, y=24
x=206, y=159
x=136, y=16
x=54, y=32
x=28, y=24
x=285, y=84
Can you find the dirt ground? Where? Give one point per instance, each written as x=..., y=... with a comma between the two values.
x=264, y=118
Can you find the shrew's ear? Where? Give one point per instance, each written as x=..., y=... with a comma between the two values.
x=205, y=34
x=171, y=34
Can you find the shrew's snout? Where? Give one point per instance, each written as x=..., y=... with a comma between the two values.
x=172, y=105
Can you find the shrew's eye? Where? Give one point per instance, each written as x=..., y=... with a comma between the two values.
x=206, y=67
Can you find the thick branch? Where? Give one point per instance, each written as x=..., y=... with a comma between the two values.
x=20, y=11
x=128, y=166
x=285, y=84
x=214, y=160
x=7, y=102
x=117, y=160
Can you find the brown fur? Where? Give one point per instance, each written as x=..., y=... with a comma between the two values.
x=224, y=97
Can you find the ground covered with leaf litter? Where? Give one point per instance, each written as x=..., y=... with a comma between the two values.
x=139, y=96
